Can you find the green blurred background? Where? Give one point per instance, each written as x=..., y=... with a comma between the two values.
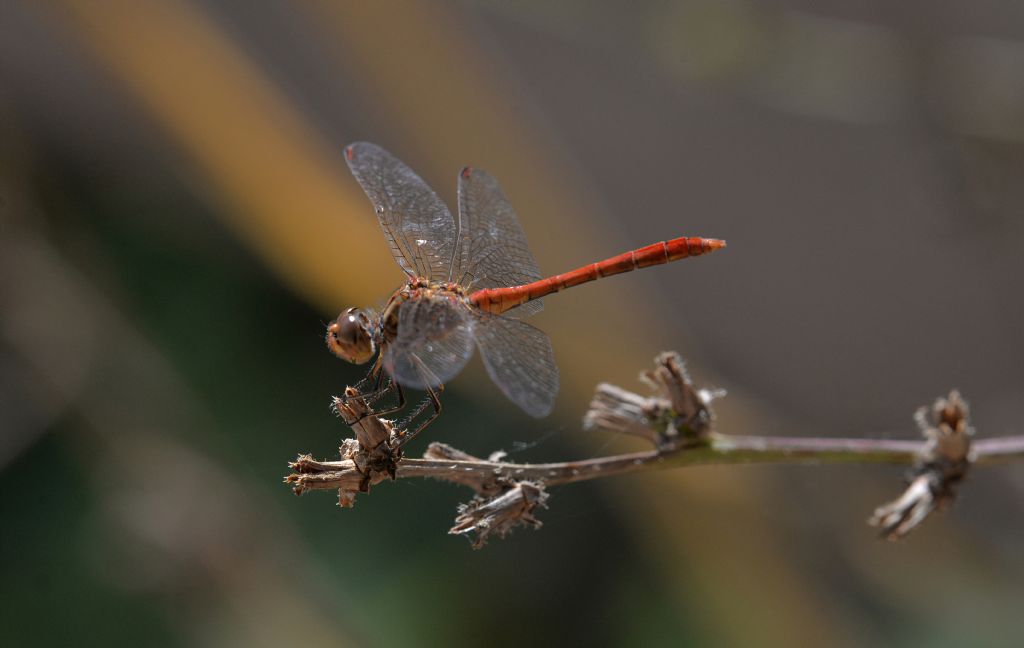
x=178, y=225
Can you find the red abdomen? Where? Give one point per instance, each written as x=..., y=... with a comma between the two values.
x=499, y=300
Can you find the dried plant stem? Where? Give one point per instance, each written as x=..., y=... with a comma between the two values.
x=721, y=449
x=678, y=422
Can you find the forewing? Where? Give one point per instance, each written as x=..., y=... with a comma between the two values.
x=493, y=251
x=520, y=361
x=434, y=342
x=418, y=226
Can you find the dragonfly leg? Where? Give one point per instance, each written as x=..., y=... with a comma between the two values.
x=373, y=374
x=433, y=398
x=377, y=395
x=378, y=392
x=400, y=395
x=362, y=384
x=407, y=421
x=379, y=377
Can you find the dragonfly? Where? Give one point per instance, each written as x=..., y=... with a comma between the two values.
x=470, y=282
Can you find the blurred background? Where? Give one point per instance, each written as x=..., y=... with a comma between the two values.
x=178, y=225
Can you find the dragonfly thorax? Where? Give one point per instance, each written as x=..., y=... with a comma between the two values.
x=422, y=292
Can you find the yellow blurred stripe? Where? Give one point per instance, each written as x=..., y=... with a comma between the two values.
x=288, y=193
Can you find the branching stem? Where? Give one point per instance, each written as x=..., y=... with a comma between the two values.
x=678, y=421
x=721, y=449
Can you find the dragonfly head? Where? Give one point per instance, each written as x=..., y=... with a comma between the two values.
x=350, y=337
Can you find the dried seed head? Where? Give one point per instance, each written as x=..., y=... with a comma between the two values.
x=677, y=412
x=500, y=514
x=943, y=463
x=948, y=431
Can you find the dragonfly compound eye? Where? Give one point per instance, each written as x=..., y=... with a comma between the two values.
x=349, y=337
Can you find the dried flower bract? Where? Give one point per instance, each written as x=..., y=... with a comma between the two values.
x=498, y=515
x=942, y=465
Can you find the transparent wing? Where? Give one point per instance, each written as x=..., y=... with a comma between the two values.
x=493, y=251
x=434, y=343
x=520, y=361
x=418, y=226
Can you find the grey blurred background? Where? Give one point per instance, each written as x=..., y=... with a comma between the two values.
x=178, y=225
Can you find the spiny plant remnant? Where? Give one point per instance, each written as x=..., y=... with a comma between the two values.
x=940, y=467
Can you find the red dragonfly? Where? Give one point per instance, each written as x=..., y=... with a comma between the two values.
x=470, y=281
